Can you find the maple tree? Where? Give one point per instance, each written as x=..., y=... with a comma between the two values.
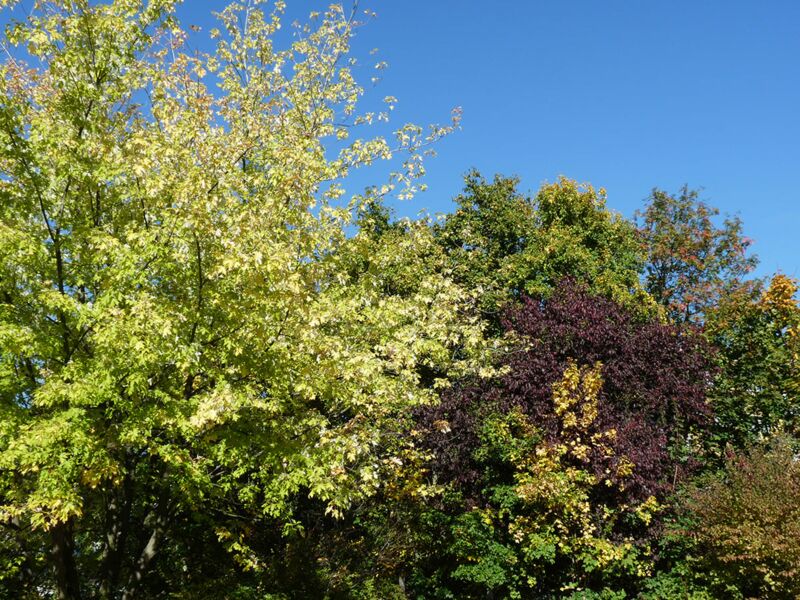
x=181, y=328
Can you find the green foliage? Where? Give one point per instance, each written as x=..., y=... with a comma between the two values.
x=757, y=391
x=504, y=244
x=675, y=584
x=577, y=236
x=492, y=224
x=691, y=263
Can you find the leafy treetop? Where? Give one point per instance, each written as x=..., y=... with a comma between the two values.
x=505, y=245
x=691, y=262
x=180, y=327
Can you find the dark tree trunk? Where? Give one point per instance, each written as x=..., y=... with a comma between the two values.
x=146, y=557
x=140, y=569
x=117, y=526
x=62, y=553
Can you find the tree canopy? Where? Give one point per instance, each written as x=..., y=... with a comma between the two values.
x=185, y=325
x=228, y=371
x=507, y=245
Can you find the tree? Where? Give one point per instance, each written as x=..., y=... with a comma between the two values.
x=757, y=392
x=691, y=263
x=560, y=468
x=506, y=245
x=189, y=341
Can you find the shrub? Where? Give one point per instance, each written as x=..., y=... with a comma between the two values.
x=746, y=523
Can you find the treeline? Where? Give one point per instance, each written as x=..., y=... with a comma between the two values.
x=221, y=377
x=636, y=438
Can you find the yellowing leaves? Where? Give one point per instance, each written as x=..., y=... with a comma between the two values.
x=189, y=302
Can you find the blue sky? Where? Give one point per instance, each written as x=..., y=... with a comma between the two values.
x=624, y=94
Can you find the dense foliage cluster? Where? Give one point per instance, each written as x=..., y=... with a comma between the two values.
x=748, y=524
x=505, y=245
x=591, y=425
x=756, y=335
x=225, y=375
x=654, y=378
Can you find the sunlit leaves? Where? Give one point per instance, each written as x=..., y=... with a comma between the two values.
x=185, y=304
x=757, y=392
x=691, y=261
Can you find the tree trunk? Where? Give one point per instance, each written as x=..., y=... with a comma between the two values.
x=145, y=558
x=62, y=553
x=117, y=526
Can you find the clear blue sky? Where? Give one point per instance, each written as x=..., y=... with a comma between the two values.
x=624, y=94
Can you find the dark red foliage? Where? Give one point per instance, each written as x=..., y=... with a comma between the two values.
x=655, y=377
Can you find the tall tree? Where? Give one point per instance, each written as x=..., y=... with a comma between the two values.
x=504, y=244
x=183, y=339
x=691, y=261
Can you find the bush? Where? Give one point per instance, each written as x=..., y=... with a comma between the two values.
x=746, y=524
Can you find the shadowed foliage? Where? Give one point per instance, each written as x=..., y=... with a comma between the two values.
x=559, y=467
